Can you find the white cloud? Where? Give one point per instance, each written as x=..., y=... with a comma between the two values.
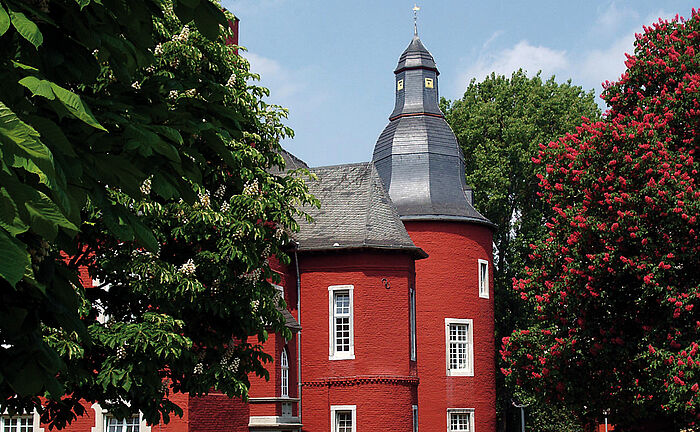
x=611, y=18
x=283, y=83
x=599, y=65
x=522, y=55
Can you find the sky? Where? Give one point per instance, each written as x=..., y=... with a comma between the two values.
x=331, y=63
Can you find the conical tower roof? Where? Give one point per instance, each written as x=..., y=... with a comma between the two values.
x=415, y=56
x=417, y=155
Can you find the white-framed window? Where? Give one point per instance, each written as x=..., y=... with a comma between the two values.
x=483, y=278
x=460, y=419
x=106, y=422
x=284, y=373
x=19, y=423
x=412, y=319
x=341, y=345
x=129, y=424
x=415, y=418
x=343, y=418
x=459, y=350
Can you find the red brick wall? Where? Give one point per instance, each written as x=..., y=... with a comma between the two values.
x=217, y=413
x=381, y=380
x=447, y=287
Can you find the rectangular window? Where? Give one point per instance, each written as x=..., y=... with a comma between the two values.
x=341, y=344
x=460, y=419
x=17, y=423
x=483, y=278
x=415, y=418
x=459, y=347
x=130, y=424
x=343, y=418
x=412, y=318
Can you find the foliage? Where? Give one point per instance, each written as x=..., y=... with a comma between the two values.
x=499, y=124
x=614, y=283
x=135, y=146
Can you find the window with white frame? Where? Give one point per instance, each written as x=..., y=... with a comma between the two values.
x=460, y=419
x=412, y=319
x=415, y=418
x=20, y=423
x=341, y=344
x=483, y=278
x=459, y=351
x=129, y=424
x=343, y=418
x=284, y=373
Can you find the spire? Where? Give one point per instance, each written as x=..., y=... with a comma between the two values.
x=415, y=19
x=417, y=155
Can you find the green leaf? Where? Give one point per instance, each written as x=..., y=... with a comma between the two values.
x=52, y=135
x=208, y=17
x=144, y=235
x=26, y=28
x=38, y=87
x=76, y=106
x=4, y=21
x=14, y=258
x=46, y=217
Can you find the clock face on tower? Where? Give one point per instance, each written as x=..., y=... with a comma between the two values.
x=399, y=85
x=428, y=83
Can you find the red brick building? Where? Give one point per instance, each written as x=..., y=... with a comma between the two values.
x=389, y=294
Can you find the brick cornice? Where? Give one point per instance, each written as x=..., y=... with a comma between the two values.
x=361, y=380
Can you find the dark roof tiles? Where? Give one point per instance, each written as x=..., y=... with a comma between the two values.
x=356, y=212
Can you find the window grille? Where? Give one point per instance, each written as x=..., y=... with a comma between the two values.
x=284, y=375
x=17, y=424
x=459, y=347
x=130, y=424
x=343, y=421
x=342, y=321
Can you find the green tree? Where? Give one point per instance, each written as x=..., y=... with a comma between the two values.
x=137, y=147
x=499, y=124
x=614, y=282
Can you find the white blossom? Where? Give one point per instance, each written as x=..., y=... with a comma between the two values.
x=188, y=268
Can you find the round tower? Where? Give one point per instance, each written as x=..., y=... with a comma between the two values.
x=421, y=164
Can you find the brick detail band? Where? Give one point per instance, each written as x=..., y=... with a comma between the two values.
x=360, y=380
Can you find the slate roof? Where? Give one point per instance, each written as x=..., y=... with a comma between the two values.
x=416, y=55
x=417, y=155
x=356, y=213
x=290, y=322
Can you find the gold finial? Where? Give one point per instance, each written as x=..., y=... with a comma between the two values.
x=415, y=19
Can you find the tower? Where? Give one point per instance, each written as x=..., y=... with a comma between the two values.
x=422, y=167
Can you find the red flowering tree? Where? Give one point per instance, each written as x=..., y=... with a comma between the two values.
x=615, y=283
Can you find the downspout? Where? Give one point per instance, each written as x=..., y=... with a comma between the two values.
x=296, y=262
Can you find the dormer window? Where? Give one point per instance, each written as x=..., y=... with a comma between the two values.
x=399, y=85
x=428, y=83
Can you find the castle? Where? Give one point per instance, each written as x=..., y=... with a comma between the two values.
x=389, y=293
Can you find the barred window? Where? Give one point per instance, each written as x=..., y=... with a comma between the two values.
x=343, y=418
x=460, y=420
x=129, y=424
x=342, y=321
x=340, y=311
x=284, y=374
x=24, y=423
x=458, y=341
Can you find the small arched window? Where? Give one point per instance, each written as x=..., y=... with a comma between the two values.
x=284, y=369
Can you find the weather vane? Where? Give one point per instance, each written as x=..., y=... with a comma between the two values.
x=415, y=19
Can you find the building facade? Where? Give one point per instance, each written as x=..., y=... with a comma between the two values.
x=389, y=293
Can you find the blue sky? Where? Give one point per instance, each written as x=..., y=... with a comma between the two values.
x=331, y=63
